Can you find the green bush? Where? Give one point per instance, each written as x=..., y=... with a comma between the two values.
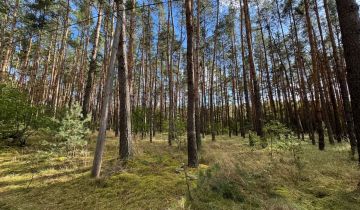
x=254, y=139
x=282, y=139
x=180, y=126
x=73, y=130
x=275, y=129
x=19, y=119
x=137, y=120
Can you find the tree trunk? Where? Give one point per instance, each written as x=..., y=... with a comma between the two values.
x=92, y=66
x=341, y=76
x=212, y=105
x=316, y=74
x=267, y=71
x=169, y=45
x=245, y=77
x=258, y=124
x=191, y=134
x=130, y=54
x=331, y=115
x=350, y=30
x=4, y=63
x=100, y=143
x=197, y=77
x=125, y=114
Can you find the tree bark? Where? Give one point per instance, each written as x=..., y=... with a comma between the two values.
x=125, y=150
x=350, y=30
x=191, y=134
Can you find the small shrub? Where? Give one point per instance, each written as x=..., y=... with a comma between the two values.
x=137, y=120
x=73, y=130
x=275, y=129
x=180, y=130
x=283, y=139
x=293, y=145
x=253, y=139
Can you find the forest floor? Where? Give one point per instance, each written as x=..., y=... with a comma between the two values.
x=232, y=175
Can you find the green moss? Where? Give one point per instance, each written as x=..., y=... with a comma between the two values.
x=235, y=177
x=148, y=180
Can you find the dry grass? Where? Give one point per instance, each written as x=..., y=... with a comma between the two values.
x=238, y=177
x=322, y=180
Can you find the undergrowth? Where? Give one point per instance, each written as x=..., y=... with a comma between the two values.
x=232, y=175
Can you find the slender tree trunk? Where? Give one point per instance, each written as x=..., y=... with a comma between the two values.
x=244, y=73
x=301, y=68
x=61, y=62
x=197, y=77
x=258, y=124
x=100, y=143
x=212, y=105
x=169, y=41
x=234, y=78
x=4, y=63
x=317, y=86
x=267, y=71
x=332, y=115
x=289, y=81
x=130, y=54
x=92, y=65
